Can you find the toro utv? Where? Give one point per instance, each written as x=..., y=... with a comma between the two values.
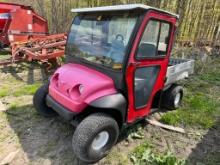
x=118, y=70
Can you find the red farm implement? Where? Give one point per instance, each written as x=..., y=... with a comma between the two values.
x=26, y=33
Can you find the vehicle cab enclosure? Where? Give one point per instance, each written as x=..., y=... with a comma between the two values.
x=116, y=66
x=116, y=61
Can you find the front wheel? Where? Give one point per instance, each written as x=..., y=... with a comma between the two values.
x=39, y=101
x=94, y=137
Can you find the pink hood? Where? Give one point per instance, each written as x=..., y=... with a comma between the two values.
x=75, y=86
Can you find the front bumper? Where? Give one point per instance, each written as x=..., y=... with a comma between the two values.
x=61, y=110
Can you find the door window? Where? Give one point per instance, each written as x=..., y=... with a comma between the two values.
x=145, y=78
x=155, y=40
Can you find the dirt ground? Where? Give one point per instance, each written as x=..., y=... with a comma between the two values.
x=27, y=138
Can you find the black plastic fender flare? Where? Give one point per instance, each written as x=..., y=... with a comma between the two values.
x=115, y=102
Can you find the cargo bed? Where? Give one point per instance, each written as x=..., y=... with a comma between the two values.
x=179, y=69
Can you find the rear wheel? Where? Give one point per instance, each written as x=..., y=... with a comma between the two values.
x=94, y=137
x=39, y=101
x=172, y=97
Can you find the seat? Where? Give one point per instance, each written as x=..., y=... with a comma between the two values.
x=146, y=50
x=117, y=51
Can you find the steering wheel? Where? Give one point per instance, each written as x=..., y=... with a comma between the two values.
x=120, y=35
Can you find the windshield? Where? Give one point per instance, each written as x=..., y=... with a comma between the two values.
x=101, y=39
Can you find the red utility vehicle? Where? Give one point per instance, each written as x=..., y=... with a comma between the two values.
x=118, y=71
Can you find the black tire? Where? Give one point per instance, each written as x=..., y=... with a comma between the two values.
x=170, y=95
x=39, y=101
x=88, y=131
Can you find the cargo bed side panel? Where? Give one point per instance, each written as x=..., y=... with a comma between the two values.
x=179, y=69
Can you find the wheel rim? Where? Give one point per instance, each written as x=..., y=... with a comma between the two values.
x=177, y=100
x=100, y=140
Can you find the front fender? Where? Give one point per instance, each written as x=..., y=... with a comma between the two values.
x=115, y=102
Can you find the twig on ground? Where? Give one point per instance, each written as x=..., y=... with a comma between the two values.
x=169, y=127
x=8, y=159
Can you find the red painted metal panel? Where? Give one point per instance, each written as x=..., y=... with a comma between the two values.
x=24, y=23
x=134, y=113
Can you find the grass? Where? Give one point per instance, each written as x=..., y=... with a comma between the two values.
x=4, y=52
x=24, y=89
x=4, y=92
x=143, y=154
x=115, y=157
x=201, y=105
x=4, y=55
x=27, y=90
x=199, y=110
x=212, y=77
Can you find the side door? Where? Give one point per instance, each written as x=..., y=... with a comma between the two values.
x=148, y=62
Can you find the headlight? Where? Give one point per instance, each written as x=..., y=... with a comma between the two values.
x=81, y=89
x=76, y=91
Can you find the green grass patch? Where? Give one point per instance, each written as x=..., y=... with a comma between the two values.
x=116, y=157
x=4, y=52
x=211, y=77
x=10, y=90
x=198, y=110
x=4, y=92
x=13, y=106
x=4, y=55
x=210, y=71
x=26, y=90
x=200, y=102
x=143, y=154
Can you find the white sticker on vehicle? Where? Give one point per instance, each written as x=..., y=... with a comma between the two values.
x=30, y=27
x=11, y=38
x=29, y=12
